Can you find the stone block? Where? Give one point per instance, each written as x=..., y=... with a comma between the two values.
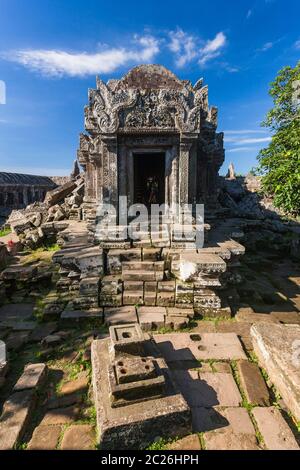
x=34, y=376
x=133, y=298
x=227, y=440
x=275, y=431
x=253, y=383
x=45, y=438
x=219, y=346
x=165, y=299
x=78, y=315
x=277, y=349
x=120, y=315
x=61, y=416
x=135, y=425
x=78, y=437
x=151, y=317
x=16, y=413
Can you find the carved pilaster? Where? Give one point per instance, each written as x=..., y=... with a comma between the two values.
x=110, y=170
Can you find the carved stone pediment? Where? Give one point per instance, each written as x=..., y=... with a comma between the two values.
x=148, y=97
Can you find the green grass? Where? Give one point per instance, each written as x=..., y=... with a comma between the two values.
x=4, y=232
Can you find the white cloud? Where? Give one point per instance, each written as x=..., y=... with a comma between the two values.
x=246, y=131
x=187, y=47
x=183, y=46
x=266, y=46
x=240, y=149
x=212, y=48
x=59, y=62
x=255, y=140
x=297, y=44
x=249, y=13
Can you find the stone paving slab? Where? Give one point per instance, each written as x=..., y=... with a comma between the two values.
x=78, y=437
x=227, y=440
x=253, y=384
x=34, y=376
x=191, y=442
x=234, y=418
x=275, y=431
x=207, y=389
x=15, y=415
x=120, y=315
x=45, y=438
x=61, y=416
x=175, y=346
x=219, y=346
x=78, y=385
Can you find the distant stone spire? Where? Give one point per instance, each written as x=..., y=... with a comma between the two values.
x=231, y=172
x=75, y=171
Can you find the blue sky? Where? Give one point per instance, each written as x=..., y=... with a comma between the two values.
x=51, y=50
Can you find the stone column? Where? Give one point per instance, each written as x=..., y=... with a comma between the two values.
x=184, y=157
x=110, y=170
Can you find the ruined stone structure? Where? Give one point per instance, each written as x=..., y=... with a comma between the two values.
x=150, y=125
x=17, y=190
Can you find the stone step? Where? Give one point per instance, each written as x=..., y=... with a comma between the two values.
x=143, y=265
x=134, y=265
x=140, y=275
x=133, y=298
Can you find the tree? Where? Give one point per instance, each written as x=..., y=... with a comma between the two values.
x=279, y=163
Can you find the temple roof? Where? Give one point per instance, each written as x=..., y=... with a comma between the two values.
x=21, y=179
x=149, y=76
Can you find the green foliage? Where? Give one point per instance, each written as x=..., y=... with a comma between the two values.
x=4, y=232
x=279, y=163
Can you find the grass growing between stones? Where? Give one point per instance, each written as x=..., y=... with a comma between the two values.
x=245, y=404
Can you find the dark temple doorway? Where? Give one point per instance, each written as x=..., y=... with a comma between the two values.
x=149, y=178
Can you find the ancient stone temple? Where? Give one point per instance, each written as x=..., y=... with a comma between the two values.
x=150, y=126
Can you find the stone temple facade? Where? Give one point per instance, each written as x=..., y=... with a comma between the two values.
x=150, y=124
x=18, y=190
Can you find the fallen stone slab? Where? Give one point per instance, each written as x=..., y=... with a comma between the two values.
x=78, y=315
x=253, y=384
x=45, y=438
x=275, y=431
x=78, y=437
x=120, y=315
x=16, y=413
x=34, y=376
x=278, y=350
